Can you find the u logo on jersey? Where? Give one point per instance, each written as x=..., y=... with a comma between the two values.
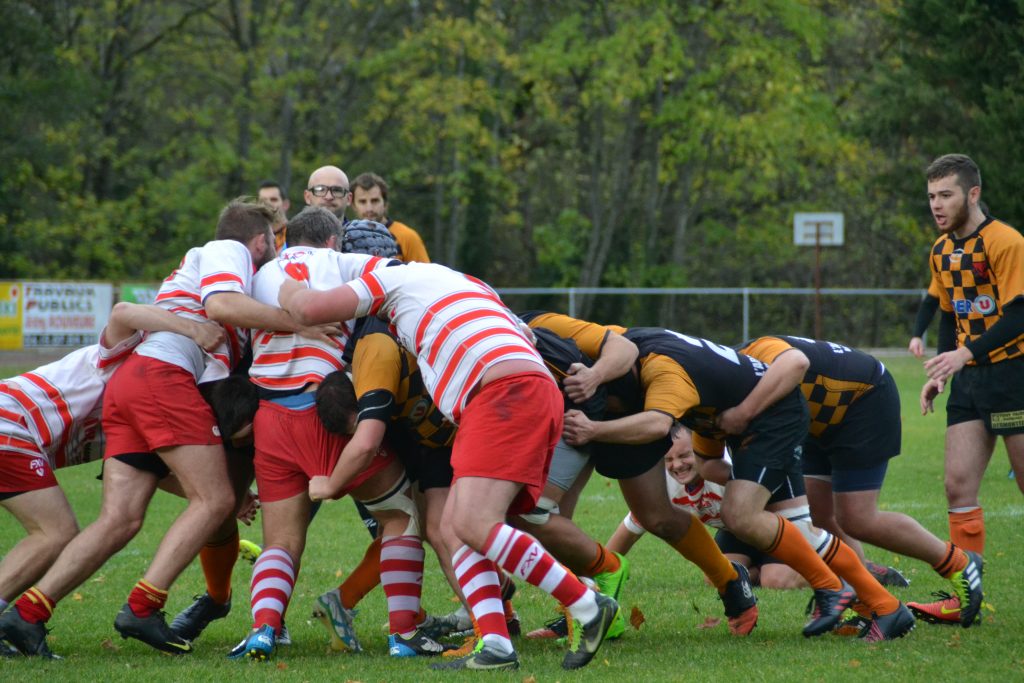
x=985, y=305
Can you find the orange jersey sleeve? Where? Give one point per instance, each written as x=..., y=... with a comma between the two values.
x=589, y=337
x=766, y=349
x=667, y=387
x=1005, y=248
x=377, y=364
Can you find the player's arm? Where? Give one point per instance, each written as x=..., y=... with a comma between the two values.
x=617, y=357
x=355, y=457
x=1009, y=327
x=925, y=313
x=240, y=310
x=639, y=428
x=782, y=376
x=714, y=470
x=127, y=318
x=312, y=307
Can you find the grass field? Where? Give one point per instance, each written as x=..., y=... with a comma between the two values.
x=670, y=646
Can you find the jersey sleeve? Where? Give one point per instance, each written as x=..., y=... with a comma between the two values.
x=766, y=349
x=1007, y=255
x=377, y=365
x=224, y=266
x=589, y=337
x=667, y=387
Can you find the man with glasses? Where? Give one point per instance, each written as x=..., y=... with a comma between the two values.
x=328, y=187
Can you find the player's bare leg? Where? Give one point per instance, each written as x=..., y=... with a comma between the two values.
x=202, y=473
x=50, y=524
x=823, y=512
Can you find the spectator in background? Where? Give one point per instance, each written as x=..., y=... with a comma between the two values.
x=370, y=199
x=272, y=193
x=328, y=187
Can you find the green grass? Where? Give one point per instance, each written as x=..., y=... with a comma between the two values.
x=670, y=646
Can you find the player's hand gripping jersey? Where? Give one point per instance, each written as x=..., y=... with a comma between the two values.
x=218, y=266
x=836, y=377
x=457, y=326
x=286, y=361
x=975, y=278
x=54, y=411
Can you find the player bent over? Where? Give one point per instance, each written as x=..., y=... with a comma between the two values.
x=855, y=431
x=155, y=417
x=487, y=378
x=50, y=419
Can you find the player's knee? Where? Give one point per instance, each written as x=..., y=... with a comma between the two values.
x=666, y=527
x=541, y=513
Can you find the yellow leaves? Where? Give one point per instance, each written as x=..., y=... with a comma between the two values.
x=77, y=597
x=108, y=644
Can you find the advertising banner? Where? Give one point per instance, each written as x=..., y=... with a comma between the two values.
x=64, y=313
x=10, y=315
x=139, y=292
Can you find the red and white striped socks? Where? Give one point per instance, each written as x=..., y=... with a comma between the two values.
x=273, y=578
x=401, y=577
x=478, y=579
x=520, y=554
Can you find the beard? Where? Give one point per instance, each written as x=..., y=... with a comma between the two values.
x=958, y=219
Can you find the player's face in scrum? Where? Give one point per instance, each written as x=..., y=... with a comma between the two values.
x=680, y=461
x=369, y=204
x=949, y=204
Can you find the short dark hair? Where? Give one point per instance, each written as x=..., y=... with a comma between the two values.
x=368, y=181
x=234, y=401
x=967, y=173
x=273, y=183
x=336, y=402
x=244, y=218
x=313, y=226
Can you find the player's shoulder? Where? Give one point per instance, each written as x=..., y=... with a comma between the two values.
x=997, y=229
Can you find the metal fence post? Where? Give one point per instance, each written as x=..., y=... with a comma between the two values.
x=746, y=314
x=572, y=302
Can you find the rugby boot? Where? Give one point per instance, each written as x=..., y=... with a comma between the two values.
x=740, y=602
x=826, y=609
x=967, y=586
x=483, y=658
x=888, y=627
x=258, y=646
x=338, y=621
x=945, y=610
x=887, y=576
x=586, y=639
x=152, y=630
x=417, y=645
x=25, y=637
x=192, y=620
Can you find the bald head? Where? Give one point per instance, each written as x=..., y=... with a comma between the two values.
x=328, y=187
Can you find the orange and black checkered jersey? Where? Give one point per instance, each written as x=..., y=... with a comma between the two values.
x=836, y=377
x=692, y=379
x=976, y=277
x=379, y=363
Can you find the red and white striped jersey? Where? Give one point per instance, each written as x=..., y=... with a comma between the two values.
x=455, y=324
x=217, y=266
x=704, y=501
x=284, y=360
x=54, y=411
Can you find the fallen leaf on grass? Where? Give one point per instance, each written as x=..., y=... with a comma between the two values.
x=77, y=597
x=100, y=579
x=854, y=663
x=108, y=644
x=710, y=622
x=338, y=574
x=281, y=666
x=636, y=618
x=529, y=679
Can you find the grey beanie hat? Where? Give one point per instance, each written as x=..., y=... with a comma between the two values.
x=368, y=237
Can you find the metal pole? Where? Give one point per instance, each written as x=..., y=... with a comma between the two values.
x=817, y=280
x=572, y=302
x=746, y=314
